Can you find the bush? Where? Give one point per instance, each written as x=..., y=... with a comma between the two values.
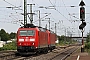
x=87, y=46
x=9, y=46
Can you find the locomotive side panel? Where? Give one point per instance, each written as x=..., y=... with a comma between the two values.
x=52, y=39
x=48, y=32
x=43, y=39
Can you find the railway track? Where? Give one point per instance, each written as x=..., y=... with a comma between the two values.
x=56, y=54
x=6, y=55
x=63, y=55
x=12, y=55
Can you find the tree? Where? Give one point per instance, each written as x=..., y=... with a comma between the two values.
x=64, y=39
x=61, y=38
x=12, y=35
x=88, y=38
x=4, y=36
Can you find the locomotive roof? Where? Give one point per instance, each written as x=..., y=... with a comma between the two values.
x=42, y=29
x=33, y=26
x=29, y=26
x=51, y=31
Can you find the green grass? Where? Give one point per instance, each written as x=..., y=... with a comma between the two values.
x=87, y=47
x=87, y=50
x=62, y=43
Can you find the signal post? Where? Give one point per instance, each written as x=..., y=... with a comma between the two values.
x=83, y=24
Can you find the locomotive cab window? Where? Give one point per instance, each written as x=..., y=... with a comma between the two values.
x=30, y=33
x=27, y=33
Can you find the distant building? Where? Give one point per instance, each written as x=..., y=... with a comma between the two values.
x=9, y=41
x=57, y=41
x=2, y=43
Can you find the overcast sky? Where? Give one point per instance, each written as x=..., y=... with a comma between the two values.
x=62, y=14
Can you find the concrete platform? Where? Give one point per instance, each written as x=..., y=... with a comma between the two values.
x=79, y=56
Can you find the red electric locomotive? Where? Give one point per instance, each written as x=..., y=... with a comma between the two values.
x=33, y=39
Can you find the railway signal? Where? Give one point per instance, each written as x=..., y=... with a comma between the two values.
x=82, y=3
x=82, y=13
x=82, y=25
x=82, y=17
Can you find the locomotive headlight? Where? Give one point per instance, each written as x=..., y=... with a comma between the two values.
x=21, y=40
x=32, y=39
x=33, y=43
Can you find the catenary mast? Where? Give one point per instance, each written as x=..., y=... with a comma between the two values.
x=25, y=12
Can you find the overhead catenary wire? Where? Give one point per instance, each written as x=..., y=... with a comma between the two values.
x=51, y=16
x=6, y=15
x=66, y=9
x=61, y=13
x=13, y=9
x=9, y=3
x=68, y=13
x=58, y=11
x=44, y=10
x=14, y=6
